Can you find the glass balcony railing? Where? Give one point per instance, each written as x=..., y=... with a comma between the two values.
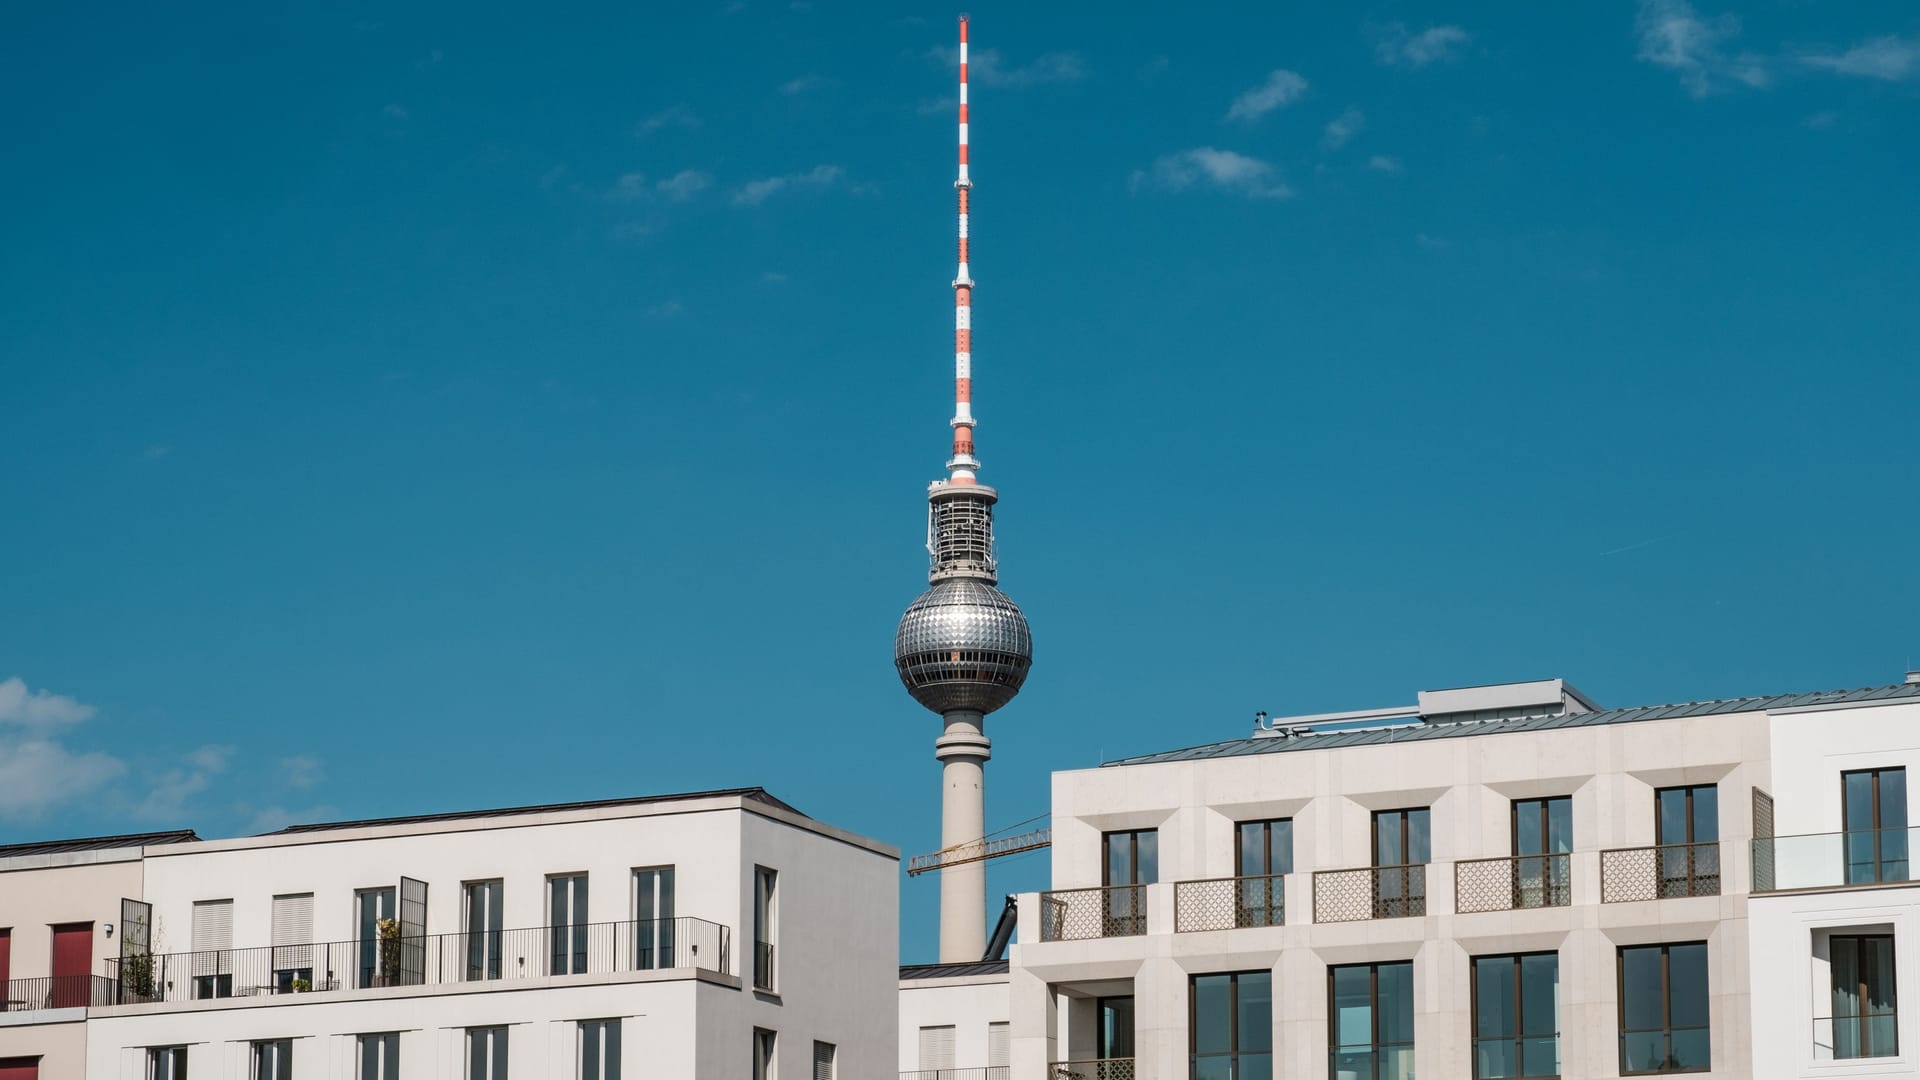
x=1832, y=860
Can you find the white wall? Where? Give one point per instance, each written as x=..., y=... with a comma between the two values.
x=969, y=1003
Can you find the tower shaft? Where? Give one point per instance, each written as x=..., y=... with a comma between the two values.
x=963, y=752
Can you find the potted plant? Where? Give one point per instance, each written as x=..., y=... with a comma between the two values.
x=301, y=986
x=389, y=931
x=136, y=977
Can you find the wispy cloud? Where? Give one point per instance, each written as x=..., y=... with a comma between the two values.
x=666, y=309
x=39, y=709
x=1889, y=58
x=1397, y=46
x=988, y=68
x=1674, y=36
x=1341, y=129
x=673, y=116
x=802, y=84
x=1430, y=241
x=773, y=277
x=395, y=112
x=37, y=771
x=1282, y=88
x=1385, y=163
x=1155, y=67
x=631, y=187
x=176, y=786
x=684, y=184
x=1209, y=167
x=302, y=771
x=755, y=192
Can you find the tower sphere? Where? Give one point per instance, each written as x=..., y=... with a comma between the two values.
x=963, y=645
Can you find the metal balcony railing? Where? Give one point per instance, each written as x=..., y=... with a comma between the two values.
x=1661, y=872
x=55, y=992
x=1229, y=903
x=990, y=1072
x=423, y=960
x=1512, y=883
x=1091, y=1069
x=1369, y=892
x=1832, y=860
x=763, y=965
x=1075, y=914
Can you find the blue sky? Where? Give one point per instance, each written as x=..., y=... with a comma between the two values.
x=454, y=406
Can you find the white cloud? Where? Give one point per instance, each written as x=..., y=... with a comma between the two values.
x=37, y=774
x=631, y=187
x=1888, y=58
x=665, y=310
x=773, y=277
x=1396, y=45
x=1385, y=163
x=1282, y=88
x=1341, y=129
x=39, y=709
x=1673, y=36
x=174, y=788
x=755, y=192
x=1430, y=241
x=395, y=112
x=986, y=67
x=802, y=84
x=684, y=184
x=675, y=116
x=302, y=771
x=1221, y=169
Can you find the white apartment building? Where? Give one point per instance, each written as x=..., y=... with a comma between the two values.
x=714, y=934
x=1501, y=881
x=954, y=1021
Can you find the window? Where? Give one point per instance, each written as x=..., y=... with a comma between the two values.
x=822, y=1060
x=167, y=1063
x=765, y=910
x=1265, y=851
x=212, y=949
x=936, y=1047
x=379, y=1057
x=1401, y=848
x=379, y=962
x=1874, y=806
x=487, y=1053
x=997, y=1045
x=292, y=942
x=6, y=956
x=599, y=1050
x=1663, y=1009
x=273, y=1060
x=1371, y=1017
x=653, y=918
x=1113, y=1038
x=484, y=901
x=1542, y=840
x=567, y=923
x=1688, y=823
x=1864, y=1020
x=1516, y=1016
x=1130, y=861
x=762, y=1054
x=1230, y=1020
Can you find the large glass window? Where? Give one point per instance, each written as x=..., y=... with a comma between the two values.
x=487, y=1053
x=167, y=1063
x=1113, y=1038
x=1231, y=1026
x=1874, y=804
x=1370, y=1011
x=1687, y=820
x=1131, y=861
x=653, y=917
x=1542, y=839
x=273, y=1060
x=379, y=1057
x=599, y=1050
x=1265, y=852
x=1401, y=848
x=567, y=922
x=765, y=923
x=1516, y=1016
x=484, y=905
x=379, y=960
x=1663, y=1009
x=763, y=1046
x=1864, y=1020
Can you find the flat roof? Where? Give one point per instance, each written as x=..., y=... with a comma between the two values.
x=751, y=794
x=97, y=843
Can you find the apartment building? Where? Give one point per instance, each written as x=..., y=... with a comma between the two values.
x=954, y=1022
x=1503, y=881
x=716, y=933
x=66, y=908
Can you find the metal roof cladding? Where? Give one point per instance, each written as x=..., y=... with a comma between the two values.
x=952, y=971
x=1415, y=731
x=754, y=794
x=97, y=843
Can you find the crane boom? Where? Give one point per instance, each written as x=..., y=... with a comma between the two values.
x=979, y=850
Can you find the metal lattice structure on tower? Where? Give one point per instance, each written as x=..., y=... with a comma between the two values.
x=963, y=648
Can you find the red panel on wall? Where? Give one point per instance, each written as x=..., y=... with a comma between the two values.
x=72, y=965
x=6, y=958
x=19, y=1069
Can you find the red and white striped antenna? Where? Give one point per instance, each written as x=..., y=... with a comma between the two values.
x=961, y=468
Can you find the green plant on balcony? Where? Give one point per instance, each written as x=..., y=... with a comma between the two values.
x=389, y=931
x=301, y=986
x=136, y=976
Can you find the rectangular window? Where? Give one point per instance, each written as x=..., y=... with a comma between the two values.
x=936, y=1047
x=1130, y=862
x=762, y=1054
x=167, y=1063
x=998, y=1054
x=599, y=1050
x=1865, y=1024
x=487, y=1053
x=6, y=956
x=1663, y=1009
x=1874, y=807
x=379, y=1057
x=823, y=1053
x=273, y=1060
x=1264, y=853
x=1542, y=842
x=1516, y=1016
x=379, y=951
x=1688, y=824
x=1401, y=847
x=765, y=913
x=653, y=924
x=1230, y=1025
x=481, y=916
x=212, y=949
x=293, y=943
x=567, y=923
x=1370, y=1010
x=1114, y=1036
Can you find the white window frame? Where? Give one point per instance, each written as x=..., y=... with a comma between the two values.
x=492, y=1041
x=388, y=1067
x=272, y=1059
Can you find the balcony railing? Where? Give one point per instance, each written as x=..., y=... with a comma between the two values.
x=1660, y=873
x=1369, y=892
x=990, y=1072
x=1091, y=1069
x=1075, y=914
x=424, y=960
x=1512, y=883
x=1832, y=860
x=1860, y=1035
x=1229, y=903
x=55, y=992
x=763, y=965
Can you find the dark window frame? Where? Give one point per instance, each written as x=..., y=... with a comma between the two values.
x=1877, y=828
x=1398, y=889
x=1861, y=1035
x=1521, y=1036
x=1236, y=1052
x=1374, y=1046
x=1666, y=1007
x=1689, y=867
x=1133, y=856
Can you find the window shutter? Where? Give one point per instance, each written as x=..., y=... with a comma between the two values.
x=1763, y=856
x=822, y=1061
x=292, y=931
x=997, y=1045
x=936, y=1047
x=212, y=937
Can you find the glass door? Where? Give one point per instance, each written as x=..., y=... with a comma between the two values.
x=376, y=917
x=1401, y=848
x=653, y=918
x=1542, y=839
x=1265, y=854
x=1114, y=1037
x=1688, y=820
x=483, y=929
x=1874, y=804
x=1132, y=862
x=567, y=918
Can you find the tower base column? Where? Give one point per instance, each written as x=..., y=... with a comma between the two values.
x=963, y=752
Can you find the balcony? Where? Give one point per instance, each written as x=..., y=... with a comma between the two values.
x=1078, y=914
x=1091, y=1069
x=1229, y=903
x=1863, y=857
x=1512, y=883
x=426, y=960
x=56, y=992
x=1662, y=872
x=1369, y=892
x=991, y=1072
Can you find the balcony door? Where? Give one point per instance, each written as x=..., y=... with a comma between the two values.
x=379, y=947
x=567, y=918
x=484, y=903
x=1113, y=1038
x=1542, y=839
x=1401, y=848
x=72, y=965
x=1131, y=861
x=1687, y=820
x=1265, y=853
x=653, y=918
x=1874, y=804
